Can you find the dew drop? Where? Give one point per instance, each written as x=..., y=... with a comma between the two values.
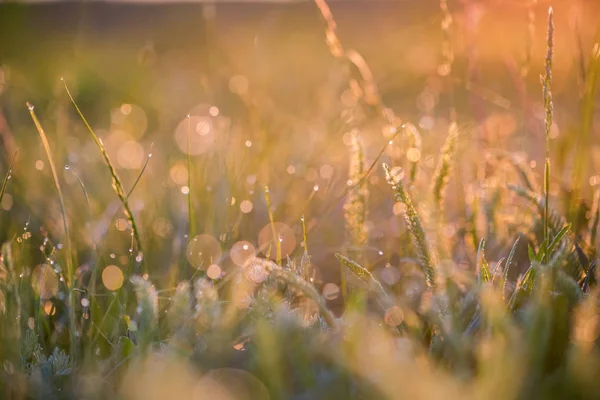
x=67, y=167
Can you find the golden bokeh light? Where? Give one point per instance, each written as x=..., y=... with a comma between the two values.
x=214, y=271
x=203, y=251
x=130, y=118
x=121, y=224
x=331, y=291
x=49, y=308
x=270, y=237
x=130, y=155
x=246, y=206
x=112, y=277
x=179, y=173
x=199, y=131
x=241, y=251
x=238, y=84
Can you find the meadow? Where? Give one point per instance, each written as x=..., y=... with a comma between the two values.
x=383, y=200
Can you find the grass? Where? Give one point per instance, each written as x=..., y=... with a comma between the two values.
x=459, y=279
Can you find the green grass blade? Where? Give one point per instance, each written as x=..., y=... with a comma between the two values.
x=69, y=247
x=483, y=267
x=362, y=273
x=557, y=239
x=548, y=106
x=116, y=181
x=303, y=286
x=413, y=221
x=6, y=178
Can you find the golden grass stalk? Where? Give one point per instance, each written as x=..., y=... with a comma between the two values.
x=415, y=227
x=547, y=92
x=444, y=168
x=363, y=274
x=116, y=181
x=303, y=286
x=355, y=209
x=6, y=178
x=272, y=222
x=69, y=247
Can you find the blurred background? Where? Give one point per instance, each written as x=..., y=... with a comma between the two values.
x=270, y=106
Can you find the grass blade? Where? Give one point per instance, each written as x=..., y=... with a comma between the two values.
x=6, y=178
x=362, y=273
x=69, y=248
x=272, y=222
x=116, y=181
x=413, y=221
x=557, y=239
x=303, y=286
x=483, y=267
x=547, y=91
x=508, y=264
x=444, y=168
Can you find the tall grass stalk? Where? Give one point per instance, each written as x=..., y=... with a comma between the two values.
x=413, y=222
x=547, y=91
x=7, y=177
x=272, y=222
x=69, y=248
x=116, y=181
x=355, y=209
x=363, y=274
x=444, y=168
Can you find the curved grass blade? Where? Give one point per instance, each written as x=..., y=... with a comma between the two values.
x=508, y=264
x=482, y=265
x=7, y=177
x=362, y=273
x=116, y=181
x=306, y=288
x=69, y=248
x=413, y=221
x=139, y=177
x=557, y=239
